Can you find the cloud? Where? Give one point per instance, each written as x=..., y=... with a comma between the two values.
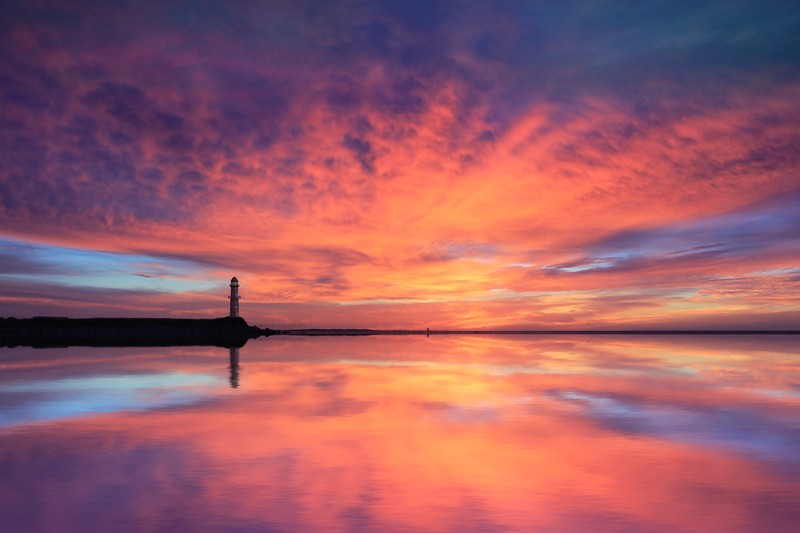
x=604, y=148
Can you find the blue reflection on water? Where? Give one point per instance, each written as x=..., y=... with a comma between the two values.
x=32, y=401
x=736, y=429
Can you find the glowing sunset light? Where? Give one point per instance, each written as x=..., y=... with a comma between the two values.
x=403, y=164
x=689, y=433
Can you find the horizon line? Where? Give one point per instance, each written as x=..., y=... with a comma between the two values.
x=367, y=331
x=428, y=331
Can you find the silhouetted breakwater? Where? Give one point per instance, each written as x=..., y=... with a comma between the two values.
x=43, y=332
x=234, y=332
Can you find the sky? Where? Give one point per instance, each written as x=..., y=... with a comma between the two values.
x=403, y=164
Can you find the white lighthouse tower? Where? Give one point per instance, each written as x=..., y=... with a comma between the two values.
x=234, y=297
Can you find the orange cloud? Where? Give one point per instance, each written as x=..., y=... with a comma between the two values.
x=378, y=174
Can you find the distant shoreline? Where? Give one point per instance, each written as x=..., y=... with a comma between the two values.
x=314, y=332
x=228, y=332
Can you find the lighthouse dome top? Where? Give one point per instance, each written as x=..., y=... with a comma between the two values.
x=234, y=280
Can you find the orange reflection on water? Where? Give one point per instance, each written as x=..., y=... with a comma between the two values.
x=443, y=434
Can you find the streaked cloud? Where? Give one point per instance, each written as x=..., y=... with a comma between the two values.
x=439, y=165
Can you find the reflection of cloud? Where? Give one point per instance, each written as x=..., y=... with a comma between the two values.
x=733, y=428
x=37, y=401
x=314, y=441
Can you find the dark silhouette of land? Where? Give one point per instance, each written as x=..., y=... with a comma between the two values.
x=359, y=332
x=234, y=332
x=227, y=332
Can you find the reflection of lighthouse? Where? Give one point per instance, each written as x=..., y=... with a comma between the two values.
x=234, y=379
x=234, y=297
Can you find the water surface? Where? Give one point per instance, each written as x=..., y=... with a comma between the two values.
x=385, y=434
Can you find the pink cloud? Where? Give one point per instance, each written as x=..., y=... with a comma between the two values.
x=332, y=168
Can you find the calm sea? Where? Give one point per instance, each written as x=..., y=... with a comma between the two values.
x=405, y=434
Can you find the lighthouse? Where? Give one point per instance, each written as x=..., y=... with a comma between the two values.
x=234, y=297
